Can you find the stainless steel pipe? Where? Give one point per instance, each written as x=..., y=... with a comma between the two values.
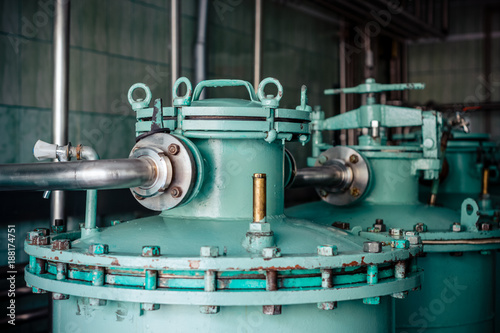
x=79, y=175
x=326, y=176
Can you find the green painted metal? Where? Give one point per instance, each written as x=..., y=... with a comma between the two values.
x=121, y=277
x=393, y=196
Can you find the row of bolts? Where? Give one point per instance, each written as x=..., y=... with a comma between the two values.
x=40, y=237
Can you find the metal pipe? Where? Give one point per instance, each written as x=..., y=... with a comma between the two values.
x=89, y=154
x=175, y=40
x=259, y=197
x=462, y=241
x=200, y=49
x=325, y=176
x=60, y=95
x=257, y=44
x=79, y=175
x=486, y=175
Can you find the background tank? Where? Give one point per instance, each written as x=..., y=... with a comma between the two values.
x=380, y=197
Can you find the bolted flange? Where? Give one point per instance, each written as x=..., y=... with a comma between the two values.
x=40, y=240
x=61, y=244
x=327, y=250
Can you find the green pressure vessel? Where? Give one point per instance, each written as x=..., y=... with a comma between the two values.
x=221, y=255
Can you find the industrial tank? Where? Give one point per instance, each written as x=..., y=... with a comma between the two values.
x=379, y=197
x=221, y=256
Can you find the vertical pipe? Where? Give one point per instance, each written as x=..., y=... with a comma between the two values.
x=259, y=197
x=60, y=97
x=257, y=44
x=175, y=40
x=200, y=50
x=342, y=70
x=487, y=46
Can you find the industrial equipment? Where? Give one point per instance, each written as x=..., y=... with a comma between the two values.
x=214, y=259
x=377, y=195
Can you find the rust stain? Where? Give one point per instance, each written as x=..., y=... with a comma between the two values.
x=56, y=258
x=115, y=263
x=273, y=268
x=194, y=264
x=351, y=264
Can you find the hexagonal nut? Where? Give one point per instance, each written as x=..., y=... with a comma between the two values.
x=150, y=306
x=341, y=225
x=151, y=251
x=380, y=227
x=40, y=240
x=43, y=231
x=414, y=240
x=400, y=243
x=456, y=227
x=59, y=297
x=327, y=250
x=412, y=233
x=99, y=248
x=61, y=244
x=372, y=247
x=396, y=232
x=420, y=227
x=372, y=229
x=271, y=310
x=271, y=252
x=260, y=227
x=209, y=309
x=327, y=305
x=32, y=234
x=486, y=226
x=209, y=251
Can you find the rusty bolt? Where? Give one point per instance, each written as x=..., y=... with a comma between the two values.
x=99, y=248
x=209, y=309
x=327, y=305
x=176, y=192
x=138, y=197
x=61, y=244
x=396, y=232
x=327, y=250
x=456, y=227
x=173, y=149
x=420, y=227
x=40, y=240
x=355, y=192
x=43, y=231
x=400, y=243
x=486, y=226
x=151, y=251
x=379, y=225
x=354, y=159
x=271, y=309
x=271, y=252
x=209, y=251
x=150, y=306
x=341, y=225
x=372, y=247
x=59, y=297
x=32, y=234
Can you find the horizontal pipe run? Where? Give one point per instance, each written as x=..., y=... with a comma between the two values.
x=462, y=241
x=330, y=176
x=79, y=175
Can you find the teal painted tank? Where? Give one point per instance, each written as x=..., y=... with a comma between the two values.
x=214, y=259
x=381, y=198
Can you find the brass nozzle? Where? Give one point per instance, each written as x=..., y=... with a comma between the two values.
x=259, y=197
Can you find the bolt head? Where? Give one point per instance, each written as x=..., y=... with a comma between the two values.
x=327, y=305
x=396, y=232
x=271, y=252
x=43, y=231
x=327, y=250
x=400, y=243
x=413, y=239
x=151, y=251
x=372, y=229
x=32, y=234
x=176, y=192
x=420, y=227
x=380, y=227
x=354, y=159
x=372, y=247
x=99, y=248
x=61, y=244
x=260, y=227
x=173, y=149
x=40, y=240
x=209, y=251
x=342, y=225
x=150, y=306
x=209, y=309
x=486, y=226
x=456, y=227
x=59, y=297
x=271, y=310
